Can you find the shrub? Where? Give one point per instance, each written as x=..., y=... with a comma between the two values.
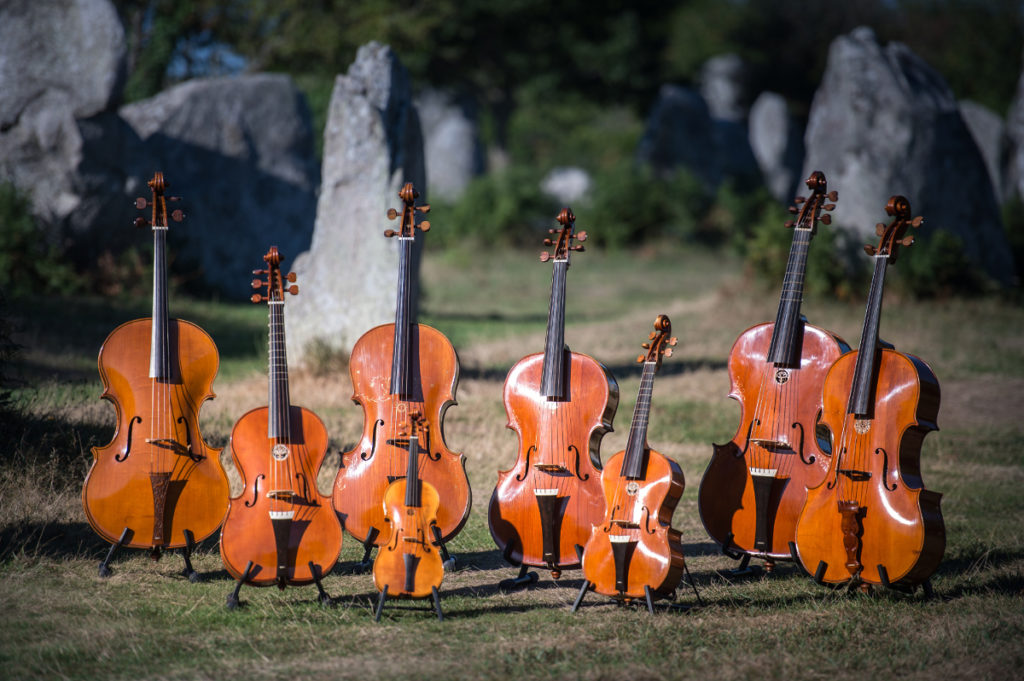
x=28, y=264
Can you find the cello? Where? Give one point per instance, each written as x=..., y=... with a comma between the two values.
x=157, y=485
x=279, y=529
x=755, y=485
x=560, y=403
x=634, y=552
x=870, y=521
x=397, y=370
x=409, y=561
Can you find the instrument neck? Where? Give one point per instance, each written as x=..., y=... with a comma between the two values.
x=633, y=463
x=277, y=398
x=553, y=377
x=785, y=346
x=412, y=474
x=401, y=384
x=861, y=394
x=159, y=365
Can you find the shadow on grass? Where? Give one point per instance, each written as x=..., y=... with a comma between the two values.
x=619, y=371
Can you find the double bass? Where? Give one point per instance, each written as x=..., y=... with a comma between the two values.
x=871, y=521
x=157, y=485
x=755, y=485
x=409, y=562
x=560, y=403
x=398, y=370
x=279, y=530
x=634, y=552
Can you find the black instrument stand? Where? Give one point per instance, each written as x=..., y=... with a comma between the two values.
x=434, y=594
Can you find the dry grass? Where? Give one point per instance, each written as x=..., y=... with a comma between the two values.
x=62, y=621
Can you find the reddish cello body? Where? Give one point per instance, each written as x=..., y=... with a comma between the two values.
x=634, y=552
x=157, y=485
x=561, y=404
x=755, y=485
x=871, y=521
x=397, y=370
x=280, y=530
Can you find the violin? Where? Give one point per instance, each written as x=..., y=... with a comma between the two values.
x=634, y=552
x=560, y=403
x=157, y=485
x=870, y=521
x=397, y=370
x=279, y=529
x=755, y=485
x=409, y=562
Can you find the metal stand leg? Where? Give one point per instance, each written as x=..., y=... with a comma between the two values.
x=233, y=596
x=190, y=546
x=324, y=598
x=523, y=579
x=583, y=592
x=649, y=598
x=447, y=559
x=380, y=604
x=366, y=564
x=437, y=603
x=114, y=548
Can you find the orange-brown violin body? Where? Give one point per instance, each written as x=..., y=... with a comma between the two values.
x=776, y=436
x=409, y=544
x=314, y=534
x=897, y=524
x=549, y=501
x=157, y=435
x=638, y=520
x=364, y=475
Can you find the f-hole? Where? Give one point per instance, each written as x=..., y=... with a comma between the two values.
x=365, y=456
x=188, y=441
x=885, y=469
x=128, y=447
x=526, y=470
x=800, y=451
x=255, y=491
x=575, y=450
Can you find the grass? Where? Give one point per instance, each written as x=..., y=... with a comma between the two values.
x=62, y=621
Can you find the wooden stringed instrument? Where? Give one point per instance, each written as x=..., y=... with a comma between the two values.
x=401, y=369
x=560, y=403
x=755, y=485
x=871, y=521
x=634, y=552
x=157, y=485
x=280, y=529
x=409, y=561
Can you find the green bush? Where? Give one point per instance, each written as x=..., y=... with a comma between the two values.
x=28, y=264
x=936, y=267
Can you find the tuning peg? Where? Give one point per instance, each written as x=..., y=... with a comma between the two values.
x=792, y=209
x=424, y=226
x=141, y=222
x=576, y=248
x=907, y=240
x=645, y=346
x=293, y=289
x=392, y=213
x=177, y=215
x=259, y=271
x=832, y=196
x=141, y=203
x=916, y=222
x=256, y=298
x=790, y=224
x=829, y=206
x=291, y=276
x=581, y=236
x=256, y=283
x=870, y=250
x=425, y=208
x=548, y=242
x=545, y=256
x=389, y=233
x=652, y=335
x=641, y=358
x=798, y=200
x=826, y=219
x=672, y=341
x=553, y=231
x=668, y=352
x=879, y=229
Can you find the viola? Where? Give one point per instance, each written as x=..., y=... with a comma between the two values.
x=157, y=485
x=409, y=562
x=560, y=403
x=634, y=552
x=397, y=370
x=755, y=485
x=870, y=521
x=279, y=529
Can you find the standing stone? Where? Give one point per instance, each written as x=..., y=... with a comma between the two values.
x=989, y=133
x=679, y=132
x=723, y=85
x=60, y=61
x=883, y=122
x=451, y=143
x=1015, y=139
x=777, y=143
x=372, y=146
x=239, y=151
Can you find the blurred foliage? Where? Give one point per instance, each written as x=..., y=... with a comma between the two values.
x=935, y=266
x=28, y=264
